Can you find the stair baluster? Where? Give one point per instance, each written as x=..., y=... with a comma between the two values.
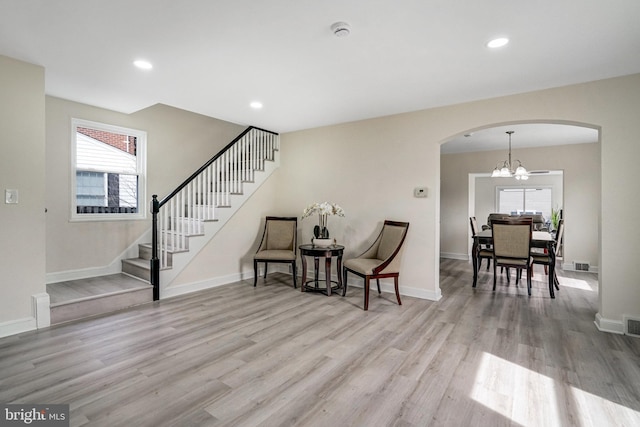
x=183, y=212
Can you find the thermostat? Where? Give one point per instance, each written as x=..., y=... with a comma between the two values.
x=420, y=192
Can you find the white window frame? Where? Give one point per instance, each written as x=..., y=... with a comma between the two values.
x=524, y=188
x=141, y=170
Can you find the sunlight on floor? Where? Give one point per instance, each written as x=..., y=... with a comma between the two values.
x=602, y=409
x=565, y=281
x=531, y=399
x=532, y=404
x=575, y=283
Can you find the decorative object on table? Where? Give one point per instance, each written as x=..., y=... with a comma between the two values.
x=555, y=218
x=320, y=231
x=506, y=171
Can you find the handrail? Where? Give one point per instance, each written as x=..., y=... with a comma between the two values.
x=209, y=162
x=207, y=188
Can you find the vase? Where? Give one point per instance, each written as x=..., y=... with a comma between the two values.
x=322, y=242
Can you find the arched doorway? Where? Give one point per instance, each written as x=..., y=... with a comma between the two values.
x=570, y=149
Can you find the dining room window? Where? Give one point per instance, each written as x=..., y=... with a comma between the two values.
x=514, y=201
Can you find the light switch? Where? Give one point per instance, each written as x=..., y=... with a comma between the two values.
x=11, y=196
x=420, y=192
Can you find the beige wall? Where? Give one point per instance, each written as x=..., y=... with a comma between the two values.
x=22, y=248
x=372, y=167
x=369, y=167
x=580, y=164
x=178, y=142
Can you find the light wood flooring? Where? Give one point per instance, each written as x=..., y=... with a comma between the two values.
x=273, y=356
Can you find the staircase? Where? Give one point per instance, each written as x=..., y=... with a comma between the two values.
x=188, y=218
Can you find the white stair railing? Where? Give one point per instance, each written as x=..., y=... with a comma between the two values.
x=183, y=212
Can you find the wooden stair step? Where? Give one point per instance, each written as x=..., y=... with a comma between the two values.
x=83, y=298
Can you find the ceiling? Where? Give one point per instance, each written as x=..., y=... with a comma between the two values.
x=215, y=57
x=525, y=135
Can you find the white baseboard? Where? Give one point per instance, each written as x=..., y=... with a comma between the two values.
x=40, y=318
x=85, y=273
x=453, y=255
x=570, y=266
x=404, y=290
x=18, y=326
x=357, y=282
x=608, y=325
x=186, y=288
x=41, y=303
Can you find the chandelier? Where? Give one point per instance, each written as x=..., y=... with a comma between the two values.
x=505, y=169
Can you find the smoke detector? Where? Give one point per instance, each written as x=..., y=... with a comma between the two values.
x=341, y=29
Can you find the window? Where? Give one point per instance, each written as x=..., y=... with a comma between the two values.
x=109, y=165
x=525, y=201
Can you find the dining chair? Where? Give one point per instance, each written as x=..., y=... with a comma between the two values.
x=512, y=247
x=485, y=251
x=278, y=245
x=543, y=258
x=381, y=260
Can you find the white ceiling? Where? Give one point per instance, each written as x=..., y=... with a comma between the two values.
x=526, y=135
x=216, y=56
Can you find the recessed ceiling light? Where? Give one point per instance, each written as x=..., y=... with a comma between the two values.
x=256, y=105
x=499, y=42
x=142, y=64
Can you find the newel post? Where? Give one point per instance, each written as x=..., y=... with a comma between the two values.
x=155, y=261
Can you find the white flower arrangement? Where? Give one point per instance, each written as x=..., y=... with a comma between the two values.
x=323, y=210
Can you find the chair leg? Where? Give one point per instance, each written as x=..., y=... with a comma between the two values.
x=494, y=274
x=395, y=283
x=508, y=275
x=344, y=281
x=556, y=282
x=295, y=286
x=265, y=270
x=488, y=263
x=378, y=283
x=529, y=272
x=255, y=273
x=366, y=293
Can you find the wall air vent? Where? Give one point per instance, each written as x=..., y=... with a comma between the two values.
x=581, y=266
x=631, y=326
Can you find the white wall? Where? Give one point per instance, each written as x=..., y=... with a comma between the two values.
x=580, y=164
x=178, y=142
x=22, y=246
x=368, y=167
x=373, y=165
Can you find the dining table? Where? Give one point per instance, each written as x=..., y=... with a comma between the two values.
x=539, y=239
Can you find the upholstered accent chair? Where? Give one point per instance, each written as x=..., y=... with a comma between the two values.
x=381, y=260
x=278, y=245
x=512, y=247
x=485, y=252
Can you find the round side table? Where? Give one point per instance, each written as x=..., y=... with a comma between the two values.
x=317, y=252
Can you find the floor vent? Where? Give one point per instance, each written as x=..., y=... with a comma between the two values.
x=632, y=327
x=581, y=266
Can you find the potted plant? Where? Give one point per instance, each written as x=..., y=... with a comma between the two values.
x=555, y=218
x=320, y=231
